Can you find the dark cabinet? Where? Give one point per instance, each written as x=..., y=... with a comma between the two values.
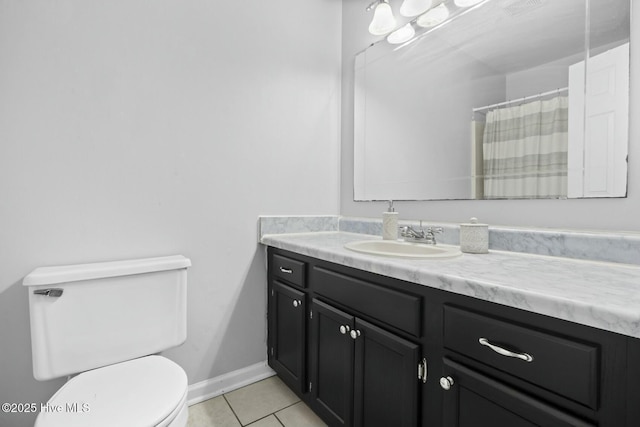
x=332, y=364
x=566, y=367
x=287, y=334
x=355, y=347
x=386, y=378
x=362, y=375
x=472, y=399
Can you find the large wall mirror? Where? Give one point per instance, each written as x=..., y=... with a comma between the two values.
x=508, y=99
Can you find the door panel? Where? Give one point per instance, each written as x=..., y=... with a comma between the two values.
x=599, y=125
x=475, y=400
x=288, y=335
x=332, y=364
x=386, y=383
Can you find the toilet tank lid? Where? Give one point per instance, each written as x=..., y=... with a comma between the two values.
x=99, y=270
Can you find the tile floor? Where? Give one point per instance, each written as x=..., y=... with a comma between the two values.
x=266, y=403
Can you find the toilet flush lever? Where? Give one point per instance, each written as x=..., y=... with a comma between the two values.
x=53, y=292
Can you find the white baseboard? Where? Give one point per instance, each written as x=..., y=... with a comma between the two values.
x=213, y=387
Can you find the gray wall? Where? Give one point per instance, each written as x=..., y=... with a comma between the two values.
x=606, y=214
x=136, y=129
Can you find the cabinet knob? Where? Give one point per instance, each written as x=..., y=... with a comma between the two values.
x=355, y=333
x=297, y=302
x=344, y=329
x=446, y=383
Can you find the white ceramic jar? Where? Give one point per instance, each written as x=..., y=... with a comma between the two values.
x=474, y=237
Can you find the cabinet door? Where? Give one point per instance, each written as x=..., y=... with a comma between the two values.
x=288, y=335
x=332, y=364
x=474, y=400
x=386, y=378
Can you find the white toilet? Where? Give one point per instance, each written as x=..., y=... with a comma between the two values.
x=105, y=322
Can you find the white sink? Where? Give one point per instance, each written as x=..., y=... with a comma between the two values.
x=400, y=249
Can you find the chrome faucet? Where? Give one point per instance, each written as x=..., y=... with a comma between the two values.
x=427, y=236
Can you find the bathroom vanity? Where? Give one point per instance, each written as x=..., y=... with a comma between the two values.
x=501, y=339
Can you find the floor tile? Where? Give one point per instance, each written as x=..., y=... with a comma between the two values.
x=270, y=421
x=299, y=415
x=212, y=413
x=260, y=399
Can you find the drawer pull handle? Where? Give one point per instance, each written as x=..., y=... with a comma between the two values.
x=286, y=270
x=297, y=303
x=504, y=352
x=344, y=329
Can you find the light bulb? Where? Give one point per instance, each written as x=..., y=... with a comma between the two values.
x=414, y=7
x=435, y=16
x=402, y=34
x=383, y=21
x=466, y=3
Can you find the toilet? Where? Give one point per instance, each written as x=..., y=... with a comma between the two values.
x=102, y=325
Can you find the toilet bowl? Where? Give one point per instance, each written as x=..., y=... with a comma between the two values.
x=149, y=391
x=103, y=324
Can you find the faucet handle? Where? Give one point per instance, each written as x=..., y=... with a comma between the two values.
x=430, y=234
x=407, y=231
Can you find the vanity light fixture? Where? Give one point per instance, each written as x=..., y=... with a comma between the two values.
x=411, y=8
x=466, y=3
x=422, y=16
x=383, y=21
x=402, y=34
x=433, y=17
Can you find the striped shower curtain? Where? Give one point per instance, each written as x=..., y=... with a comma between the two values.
x=525, y=150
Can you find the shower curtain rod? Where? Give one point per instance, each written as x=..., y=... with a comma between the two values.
x=540, y=95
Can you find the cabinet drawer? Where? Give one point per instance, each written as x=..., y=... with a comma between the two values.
x=394, y=308
x=289, y=269
x=565, y=367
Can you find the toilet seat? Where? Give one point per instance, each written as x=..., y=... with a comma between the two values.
x=150, y=391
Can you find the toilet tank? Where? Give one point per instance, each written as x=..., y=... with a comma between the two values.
x=91, y=315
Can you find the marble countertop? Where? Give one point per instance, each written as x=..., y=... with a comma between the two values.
x=599, y=294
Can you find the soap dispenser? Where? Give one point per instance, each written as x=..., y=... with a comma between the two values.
x=390, y=223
